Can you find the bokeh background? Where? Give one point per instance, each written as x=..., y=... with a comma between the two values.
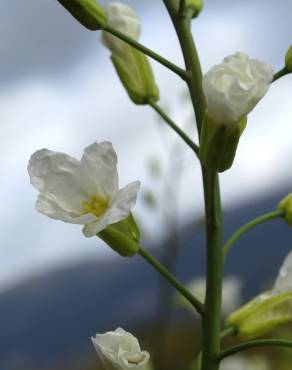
x=58, y=90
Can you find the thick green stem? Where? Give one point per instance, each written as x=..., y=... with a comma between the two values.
x=174, y=68
x=257, y=221
x=173, y=281
x=212, y=316
x=174, y=126
x=252, y=344
x=284, y=71
x=182, y=26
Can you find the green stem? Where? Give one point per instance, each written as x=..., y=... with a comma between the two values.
x=173, y=125
x=257, y=221
x=182, y=26
x=168, y=276
x=284, y=71
x=179, y=71
x=212, y=316
x=254, y=343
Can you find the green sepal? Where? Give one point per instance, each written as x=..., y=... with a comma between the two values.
x=136, y=75
x=288, y=59
x=88, y=12
x=262, y=315
x=286, y=206
x=123, y=237
x=218, y=143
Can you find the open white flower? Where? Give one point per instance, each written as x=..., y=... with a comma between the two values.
x=234, y=87
x=122, y=18
x=120, y=350
x=82, y=192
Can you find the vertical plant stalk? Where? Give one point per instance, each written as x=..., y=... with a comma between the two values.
x=212, y=316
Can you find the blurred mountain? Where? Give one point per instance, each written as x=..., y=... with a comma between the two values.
x=52, y=317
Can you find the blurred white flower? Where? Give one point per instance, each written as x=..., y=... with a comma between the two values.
x=82, y=192
x=231, y=292
x=122, y=18
x=240, y=362
x=120, y=350
x=283, y=281
x=234, y=87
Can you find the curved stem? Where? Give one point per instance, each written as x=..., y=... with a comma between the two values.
x=254, y=343
x=284, y=71
x=179, y=71
x=174, y=126
x=238, y=233
x=168, y=276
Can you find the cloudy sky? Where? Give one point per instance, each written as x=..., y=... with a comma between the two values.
x=58, y=90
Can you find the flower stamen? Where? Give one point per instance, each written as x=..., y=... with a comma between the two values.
x=97, y=205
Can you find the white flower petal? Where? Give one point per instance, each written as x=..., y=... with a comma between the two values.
x=100, y=161
x=284, y=279
x=120, y=350
x=234, y=87
x=119, y=208
x=62, y=178
x=122, y=18
x=51, y=209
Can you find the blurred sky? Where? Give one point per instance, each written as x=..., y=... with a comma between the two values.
x=58, y=90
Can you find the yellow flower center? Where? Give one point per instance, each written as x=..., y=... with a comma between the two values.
x=97, y=205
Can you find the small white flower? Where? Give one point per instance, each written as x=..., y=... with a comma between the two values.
x=82, y=192
x=120, y=350
x=122, y=18
x=234, y=87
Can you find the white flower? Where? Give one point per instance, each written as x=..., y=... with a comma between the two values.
x=284, y=279
x=240, y=362
x=122, y=18
x=120, y=350
x=234, y=87
x=82, y=192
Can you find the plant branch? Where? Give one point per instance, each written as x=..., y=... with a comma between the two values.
x=173, y=281
x=174, y=126
x=284, y=71
x=174, y=68
x=251, y=344
x=242, y=230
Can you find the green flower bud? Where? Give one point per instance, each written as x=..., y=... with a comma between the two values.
x=262, y=314
x=195, y=5
x=123, y=237
x=218, y=143
x=286, y=206
x=288, y=59
x=135, y=73
x=88, y=12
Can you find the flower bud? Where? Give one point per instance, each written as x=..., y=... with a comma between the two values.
x=234, y=87
x=268, y=310
x=286, y=206
x=288, y=59
x=132, y=66
x=120, y=350
x=193, y=5
x=262, y=315
x=88, y=12
x=218, y=143
x=123, y=237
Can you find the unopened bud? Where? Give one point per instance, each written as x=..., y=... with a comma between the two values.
x=88, y=12
x=288, y=59
x=286, y=206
